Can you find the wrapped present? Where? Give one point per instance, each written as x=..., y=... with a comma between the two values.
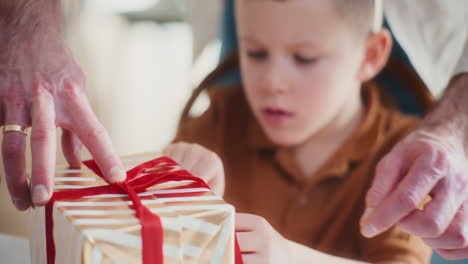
x=160, y=214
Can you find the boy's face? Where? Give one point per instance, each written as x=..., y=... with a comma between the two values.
x=299, y=63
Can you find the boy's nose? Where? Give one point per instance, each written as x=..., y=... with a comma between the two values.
x=274, y=81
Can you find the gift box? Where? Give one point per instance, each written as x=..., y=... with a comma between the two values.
x=160, y=214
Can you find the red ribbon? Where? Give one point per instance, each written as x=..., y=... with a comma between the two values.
x=138, y=180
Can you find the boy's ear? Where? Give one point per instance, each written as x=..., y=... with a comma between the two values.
x=377, y=53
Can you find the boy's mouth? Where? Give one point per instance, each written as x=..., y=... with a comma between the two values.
x=276, y=116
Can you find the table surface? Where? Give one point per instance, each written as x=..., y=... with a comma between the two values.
x=14, y=250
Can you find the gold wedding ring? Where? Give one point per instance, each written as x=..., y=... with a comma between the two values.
x=15, y=128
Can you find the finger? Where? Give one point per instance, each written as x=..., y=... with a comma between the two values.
x=180, y=153
x=437, y=215
x=456, y=236
x=43, y=146
x=92, y=134
x=248, y=242
x=251, y=258
x=96, y=139
x=248, y=222
x=2, y=114
x=215, y=174
x=200, y=162
x=387, y=174
x=204, y=168
x=13, y=152
x=174, y=151
x=208, y=166
x=72, y=148
x=458, y=254
x=409, y=194
x=191, y=156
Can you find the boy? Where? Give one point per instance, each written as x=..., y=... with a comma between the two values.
x=300, y=139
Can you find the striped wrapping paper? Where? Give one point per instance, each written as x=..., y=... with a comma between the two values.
x=198, y=225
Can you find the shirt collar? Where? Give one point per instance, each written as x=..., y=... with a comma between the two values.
x=359, y=145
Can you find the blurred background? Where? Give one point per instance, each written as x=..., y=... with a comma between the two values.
x=141, y=60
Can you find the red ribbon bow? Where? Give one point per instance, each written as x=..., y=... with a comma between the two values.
x=138, y=180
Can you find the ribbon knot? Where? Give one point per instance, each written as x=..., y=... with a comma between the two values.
x=138, y=180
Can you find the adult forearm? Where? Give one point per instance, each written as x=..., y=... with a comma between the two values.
x=451, y=113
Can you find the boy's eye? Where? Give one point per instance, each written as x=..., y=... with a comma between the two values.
x=257, y=54
x=305, y=60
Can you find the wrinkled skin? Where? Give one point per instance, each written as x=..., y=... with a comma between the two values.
x=430, y=162
x=42, y=87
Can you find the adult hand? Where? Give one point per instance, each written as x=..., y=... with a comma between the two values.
x=432, y=161
x=42, y=87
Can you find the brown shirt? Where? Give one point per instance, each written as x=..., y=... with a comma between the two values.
x=322, y=211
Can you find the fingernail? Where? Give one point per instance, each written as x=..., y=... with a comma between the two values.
x=367, y=212
x=20, y=204
x=40, y=194
x=117, y=174
x=369, y=231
